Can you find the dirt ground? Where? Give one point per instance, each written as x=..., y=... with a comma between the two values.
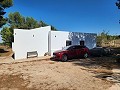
x=49, y=75
x=77, y=74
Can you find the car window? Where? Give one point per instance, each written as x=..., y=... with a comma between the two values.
x=77, y=47
x=83, y=46
x=71, y=48
x=80, y=47
x=66, y=48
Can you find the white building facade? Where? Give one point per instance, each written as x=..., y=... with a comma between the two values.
x=44, y=40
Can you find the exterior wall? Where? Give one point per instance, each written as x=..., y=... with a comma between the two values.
x=58, y=39
x=30, y=40
x=44, y=40
x=49, y=42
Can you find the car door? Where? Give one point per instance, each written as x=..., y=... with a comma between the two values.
x=80, y=51
x=77, y=51
x=72, y=52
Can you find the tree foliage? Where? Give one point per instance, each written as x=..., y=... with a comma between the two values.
x=104, y=37
x=7, y=36
x=118, y=4
x=17, y=21
x=3, y=5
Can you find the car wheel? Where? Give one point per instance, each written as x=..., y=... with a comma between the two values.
x=64, y=58
x=85, y=55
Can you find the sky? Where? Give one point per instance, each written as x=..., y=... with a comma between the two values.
x=89, y=16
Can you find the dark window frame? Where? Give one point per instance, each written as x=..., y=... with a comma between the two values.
x=82, y=43
x=68, y=42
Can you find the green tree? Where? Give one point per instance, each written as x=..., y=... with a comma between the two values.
x=118, y=4
x=3, y=5
x=7, y=36
x=42, y=24
x=31, y=23
x=53, y=28
x=17, y=21
x=102, y=38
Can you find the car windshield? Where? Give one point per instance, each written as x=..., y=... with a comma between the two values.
x=66, y=48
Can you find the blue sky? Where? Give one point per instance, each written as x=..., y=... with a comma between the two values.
x=90, y=16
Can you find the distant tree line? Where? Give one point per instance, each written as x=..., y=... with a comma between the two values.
x=17, y=21
x=104, y=37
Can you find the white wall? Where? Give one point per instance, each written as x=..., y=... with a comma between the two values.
x=44, y=40
x=30, y=40
x=58, y=39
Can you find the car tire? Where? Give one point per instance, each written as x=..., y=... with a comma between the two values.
x=85, y=55
x=64, y=58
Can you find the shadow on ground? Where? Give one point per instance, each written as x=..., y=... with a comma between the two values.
x=108, y=62
x=3, y=51
x=116, y=50
x=98, y=62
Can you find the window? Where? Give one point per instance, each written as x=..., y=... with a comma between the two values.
x=77, y=47
x=82, y=43
x=68, y=43
x=71, y=48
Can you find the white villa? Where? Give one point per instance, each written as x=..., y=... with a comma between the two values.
x=43, y=40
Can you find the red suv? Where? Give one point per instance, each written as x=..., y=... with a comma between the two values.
x=69, y=52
